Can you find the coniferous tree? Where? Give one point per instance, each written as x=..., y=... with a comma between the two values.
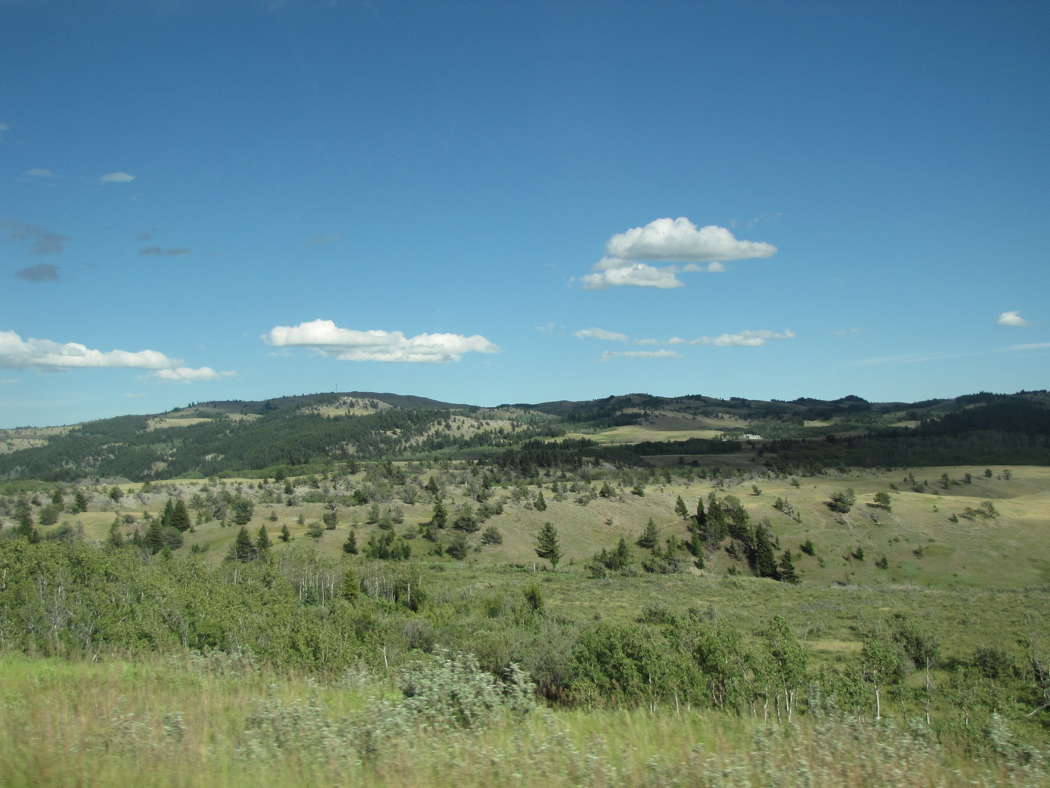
x=350, y=589
x=80, y=503
x=180, y=516
x=350, y=545
x=286, y=535
x=547, y=545
x=786, y=569
x=764, y=562
x=262, y=541
x=649, y=537
x=242, y=549
x=540, y=503
x=165, y=518
x=680, y=508
x=439, y=519
x=154, y=539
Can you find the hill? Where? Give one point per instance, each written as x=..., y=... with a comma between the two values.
x=224, y=437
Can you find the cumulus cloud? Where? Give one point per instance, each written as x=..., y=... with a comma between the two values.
x=611, y=354
x=42, y=241
x=117, y=177
x=600, y=333
x=189, y=375
x=156, y=250
x=620, y=273
x=348, y=344
x=681, y=240
x=16, y=353
x=40, y=172
x=46, y=355
x=1012, y=318
x=743, y=339
x=42, y=272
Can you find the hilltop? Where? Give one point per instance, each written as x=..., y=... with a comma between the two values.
x=235, y=436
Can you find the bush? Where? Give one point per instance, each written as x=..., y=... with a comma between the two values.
x=452, y=689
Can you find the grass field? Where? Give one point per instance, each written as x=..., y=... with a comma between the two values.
x=193, y=722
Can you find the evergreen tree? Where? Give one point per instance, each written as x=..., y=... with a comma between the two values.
x=786, y=569
x=154, y=539
x=286, y=535
x=24, y=516
x=350, y=545
x=350, y=589
x=262, y=541
x=680, y=508
x=165, y=518
x=56, y=496
x=80, y=503
x=243, y=509
x=180, y=516
x=242, y=549
x=439, y=519
x=547, y=545
x=540, y=503
x=649, y=537
x=764, y=562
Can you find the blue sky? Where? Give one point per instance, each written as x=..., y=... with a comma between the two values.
x=494, y=202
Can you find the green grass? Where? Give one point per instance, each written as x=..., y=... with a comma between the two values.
x=183, y=722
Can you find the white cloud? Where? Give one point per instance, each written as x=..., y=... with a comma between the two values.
x=620, y=273
x=611, y=354
x=1031, y=346
x=600, y=333
x=715, y=267
x=1012, y=319
x=39, y=172
x=743, y=339
x=680, y=240
x=347, y=344
x=189, y=375
x=676, y=341
x=43, y=354
x=547, y=328
x=117, y=177
x=647, y=341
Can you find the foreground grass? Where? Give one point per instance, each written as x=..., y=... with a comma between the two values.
x=192, y=721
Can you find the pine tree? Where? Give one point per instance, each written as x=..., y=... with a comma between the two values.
x=350, y=545
x=262, y=541
x=547, y=545
x=242, y=549
x=649, y=537
x=80, y=503
x=786, y=569
x=680, y=508
x=286, y=535
x=165, y=518
x=154, y=540
x=180, y=516
x=439, y=519
x=764, y=562
x=540, y=503
x=350, y=588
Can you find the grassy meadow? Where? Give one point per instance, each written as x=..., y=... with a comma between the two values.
x=962, y=550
